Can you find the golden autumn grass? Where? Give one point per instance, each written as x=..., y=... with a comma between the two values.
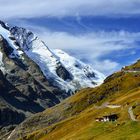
x=122, y=88
x=84, y=126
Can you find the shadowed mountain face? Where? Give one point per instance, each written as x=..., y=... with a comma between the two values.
x=75, y=117
x=8, y=113
x=26, y=77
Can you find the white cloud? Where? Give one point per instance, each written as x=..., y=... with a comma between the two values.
x=37, y=8
x=92, y=46
x=106, y=66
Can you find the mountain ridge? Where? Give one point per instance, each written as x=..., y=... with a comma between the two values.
x=48, y=61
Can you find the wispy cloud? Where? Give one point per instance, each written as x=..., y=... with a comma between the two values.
x=96, y=48
x=37, y=8
x=106, y=66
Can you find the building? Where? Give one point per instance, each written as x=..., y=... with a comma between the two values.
x=109, y=118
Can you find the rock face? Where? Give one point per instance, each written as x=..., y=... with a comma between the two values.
x=9, y=117
x=63, y=73
x=9, y=113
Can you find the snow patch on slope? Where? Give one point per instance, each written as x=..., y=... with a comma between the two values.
x=80, y=70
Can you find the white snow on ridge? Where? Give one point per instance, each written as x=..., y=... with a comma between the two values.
x=6, y=34
x=48, y=60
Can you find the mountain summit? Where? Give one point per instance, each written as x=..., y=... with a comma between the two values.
x=65, y=71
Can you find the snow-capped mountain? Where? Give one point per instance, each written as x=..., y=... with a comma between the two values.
x=34, y=78
x=65, y=71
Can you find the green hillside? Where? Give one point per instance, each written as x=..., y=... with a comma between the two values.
x=75, y=118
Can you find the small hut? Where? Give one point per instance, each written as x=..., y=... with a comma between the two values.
x=107, y=118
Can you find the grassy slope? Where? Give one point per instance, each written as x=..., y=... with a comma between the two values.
x=84, y=126
x=74, y=119
x=135, y=66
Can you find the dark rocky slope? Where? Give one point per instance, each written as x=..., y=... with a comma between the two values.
x=26, y=76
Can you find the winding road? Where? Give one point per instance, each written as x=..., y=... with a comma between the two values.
x=131, y=114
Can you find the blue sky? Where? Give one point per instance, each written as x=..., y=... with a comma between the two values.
x=105, y=34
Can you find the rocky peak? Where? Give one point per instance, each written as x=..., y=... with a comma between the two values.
x=4, y=25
